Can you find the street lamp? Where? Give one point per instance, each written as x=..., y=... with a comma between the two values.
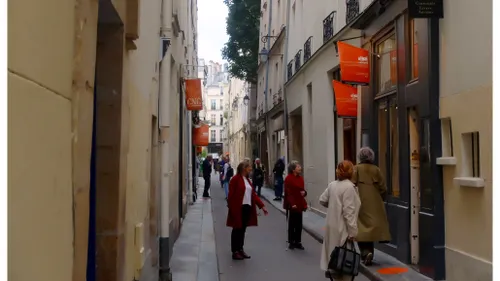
x=264, y=54
x=245, y=100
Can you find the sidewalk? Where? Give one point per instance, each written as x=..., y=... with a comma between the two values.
x=314, y=225
x=194, y=257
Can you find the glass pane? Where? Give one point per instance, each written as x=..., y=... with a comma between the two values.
x=382, y=137
x=387, y=64
x=393, y=112
x=414, y=49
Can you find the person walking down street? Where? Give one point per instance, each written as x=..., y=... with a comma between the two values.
x=279, y=169
x=242, y=203
x=258, y=175
x=343, y=203
x=221, y=174
x=372, y=220
x=295, y=204
x=207, y=172
x=227, y=174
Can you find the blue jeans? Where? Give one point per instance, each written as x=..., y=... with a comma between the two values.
x=226, y=187
x=278, y=186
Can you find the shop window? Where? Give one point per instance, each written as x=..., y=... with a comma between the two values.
x=470, y=155
x=382, y=137
x=414, y=49
x=447, y=137
x=387, y=65
x=394, y=141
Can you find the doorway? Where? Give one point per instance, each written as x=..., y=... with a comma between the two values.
x=349, y=125
x=414, y=148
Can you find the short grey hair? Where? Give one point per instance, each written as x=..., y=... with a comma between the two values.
x=366, y=155
x=292, y=166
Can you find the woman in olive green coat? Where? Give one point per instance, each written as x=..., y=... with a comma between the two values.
x=372, y=220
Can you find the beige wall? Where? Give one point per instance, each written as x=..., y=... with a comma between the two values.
x=50, y=95
x=40, y=140
x=466, y=98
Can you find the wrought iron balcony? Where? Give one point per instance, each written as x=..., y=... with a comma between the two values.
x=298, y=60
x=289, y=70
x=352, y=10
x=328, y=26
x=307, y=49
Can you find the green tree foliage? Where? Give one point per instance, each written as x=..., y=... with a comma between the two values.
x=242, y=49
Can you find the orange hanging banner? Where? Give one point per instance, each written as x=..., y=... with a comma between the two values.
x=194, y=100
x=200, y=135
x=346, y=99
x=354, y=64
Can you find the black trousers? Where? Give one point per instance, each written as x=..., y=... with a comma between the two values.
x=207, y=185
x=294, y=227
x=238, y=234
x=366, y=247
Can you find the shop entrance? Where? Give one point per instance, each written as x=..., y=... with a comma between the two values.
x=350, y=139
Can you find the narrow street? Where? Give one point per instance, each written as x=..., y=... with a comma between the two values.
x=266, y=244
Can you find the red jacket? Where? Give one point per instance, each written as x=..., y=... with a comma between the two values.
x=293, y=187
x=235, y=202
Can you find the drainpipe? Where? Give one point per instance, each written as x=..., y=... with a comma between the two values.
x=285, y=77
x=164, y=127
x=267, y=82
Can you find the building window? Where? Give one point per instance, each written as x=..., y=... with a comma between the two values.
x=221, y=119
x=221, y=91
x=221, y=105
x=394, y=148
x=387, y=65
x=447, y=137
x=414, y=49
x=221, y=135
x=388, y=144
x=212, y=119
x=471, y=154
x=212, y=136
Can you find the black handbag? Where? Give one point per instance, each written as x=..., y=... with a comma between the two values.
x=344, y=261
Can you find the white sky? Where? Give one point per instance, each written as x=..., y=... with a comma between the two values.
x=211, y=29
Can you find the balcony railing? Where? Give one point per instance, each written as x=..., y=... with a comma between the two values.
x=298, y=60
x=352, y=10
x=277, y=97
x=328, y=26
x=289, y=72
x=307, y=49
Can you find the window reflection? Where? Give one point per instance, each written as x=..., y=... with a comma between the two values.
x=394, y=142
x=414, y=49
x=382, y=137
x=387, y=64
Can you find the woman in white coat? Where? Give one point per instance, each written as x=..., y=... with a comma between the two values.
x=343, y=203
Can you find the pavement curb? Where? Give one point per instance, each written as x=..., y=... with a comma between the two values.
x=318, y=237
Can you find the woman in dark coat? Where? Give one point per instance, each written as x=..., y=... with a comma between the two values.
x=258, y=175
x=295, y=204
x=242, y=203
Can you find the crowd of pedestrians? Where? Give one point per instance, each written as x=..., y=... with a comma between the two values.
x=354, y=204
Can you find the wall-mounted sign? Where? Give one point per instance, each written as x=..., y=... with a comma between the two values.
x=425, y=9
x=200, y=135
x=194, y=100
x=346, y=99
x=354, y=64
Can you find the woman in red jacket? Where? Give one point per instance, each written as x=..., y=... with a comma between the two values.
x=295, y=204
x=242, y=202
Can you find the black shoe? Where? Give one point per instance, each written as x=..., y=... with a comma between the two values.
x=299, y=246
x=277, y=199
x=291, y=246
x=368, y=259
